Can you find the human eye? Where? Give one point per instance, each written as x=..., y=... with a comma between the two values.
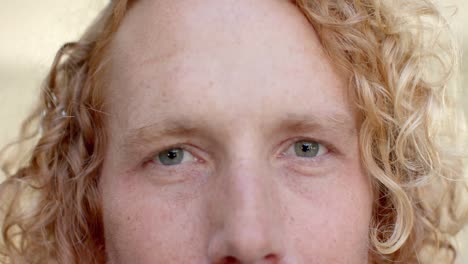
x=172, y=156
x=307, y=149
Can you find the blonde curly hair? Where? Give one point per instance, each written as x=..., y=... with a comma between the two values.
x=400, y=60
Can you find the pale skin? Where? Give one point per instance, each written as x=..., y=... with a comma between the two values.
x=239, y=89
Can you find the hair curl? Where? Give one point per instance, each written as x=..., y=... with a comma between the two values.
x=411, y=135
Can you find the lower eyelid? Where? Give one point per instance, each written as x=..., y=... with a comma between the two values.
x=296, y=163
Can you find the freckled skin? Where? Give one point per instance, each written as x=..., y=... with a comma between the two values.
x=235, y=67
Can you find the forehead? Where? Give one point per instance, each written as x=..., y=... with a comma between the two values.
x=233, y=58
x=169, y=27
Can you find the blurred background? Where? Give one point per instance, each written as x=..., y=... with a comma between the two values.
x=32, y=31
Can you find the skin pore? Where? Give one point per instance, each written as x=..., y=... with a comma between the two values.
x=257, y=126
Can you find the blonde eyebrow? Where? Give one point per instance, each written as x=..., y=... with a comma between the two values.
x=336, y=124
x=339, y=122
x=150, y=132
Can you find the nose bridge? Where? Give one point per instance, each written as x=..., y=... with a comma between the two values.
x=249, y=225
x=249, y=194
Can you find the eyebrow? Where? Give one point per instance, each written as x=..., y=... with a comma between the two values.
x=151, y=132
x=336, y=123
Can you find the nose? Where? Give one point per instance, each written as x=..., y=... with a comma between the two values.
x=246, y=218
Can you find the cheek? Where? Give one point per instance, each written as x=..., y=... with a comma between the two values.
x=140, y=227
x=329, y=220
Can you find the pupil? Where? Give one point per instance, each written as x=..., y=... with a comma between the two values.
x=306, y=147
x=172, y=154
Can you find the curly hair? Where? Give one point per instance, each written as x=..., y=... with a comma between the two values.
x=401, y=61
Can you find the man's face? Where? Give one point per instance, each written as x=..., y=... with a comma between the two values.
x=232, y=139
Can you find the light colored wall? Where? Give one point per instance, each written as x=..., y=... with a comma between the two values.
x=32, y=31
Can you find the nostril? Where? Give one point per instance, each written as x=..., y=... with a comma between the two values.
x=271, y=258
x=230, y=260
